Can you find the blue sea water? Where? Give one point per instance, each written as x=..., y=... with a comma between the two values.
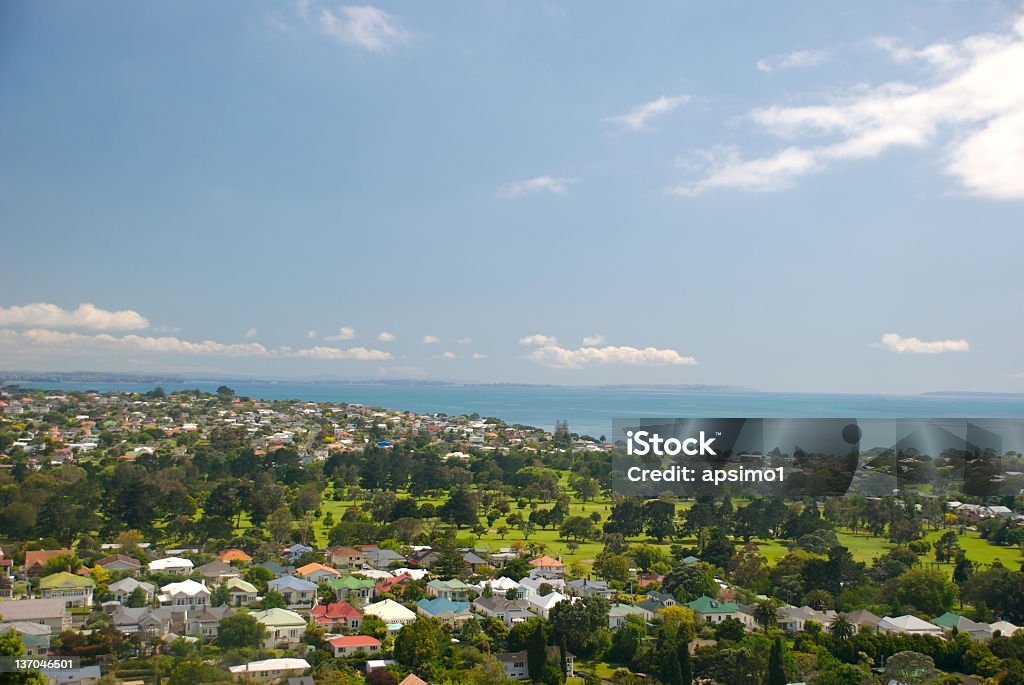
x=590, y=410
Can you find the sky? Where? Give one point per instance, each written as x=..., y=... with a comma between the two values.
x=791, y=196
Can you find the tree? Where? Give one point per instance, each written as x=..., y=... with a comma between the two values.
x=927, y=590
x=766, y=614
x=136, y=599
x=11, y=646
x=842, y=628
x=688, y=582
x=579, y=528
x=240, y=630
x=660, y=517
x=417, y=643
x=583, y=624
x=911, y=668
x=685, y=667
x=776, y=671
x=536, y=650
x=612, y=566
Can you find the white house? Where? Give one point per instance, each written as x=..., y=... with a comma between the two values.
x=270, y=669
x=174, y=565
x=188, y=594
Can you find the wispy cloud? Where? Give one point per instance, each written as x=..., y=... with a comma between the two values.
x=251, y=333
x=430, y=340
x=363, y=26
x=385, y=336
x=310, y=334
x=446, y=356
x=638, y=117
x=591, y=340
x=964, y=102
x=344, y=333
x=795, y=59
x=86, y=316
x=479, y=355
x=551, y=184
x=464, y=341
x=897, y=343
x=37, y=338
x=549, y=353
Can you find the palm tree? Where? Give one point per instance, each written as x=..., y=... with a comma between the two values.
x=842, y=627
x=765, y=614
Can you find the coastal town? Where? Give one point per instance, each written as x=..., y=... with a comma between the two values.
x=193, y=537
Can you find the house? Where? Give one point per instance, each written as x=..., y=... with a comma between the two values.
x=354, y=590
x=293, y=553
x=217, y=571
x=541, y=604
x=584, y=587
x=708, y=610
x=501, y=586
x=241, y=593
x=532, y=586
x=390, y=611
x=475, y=561
x=316, y=573
x=205, y=622
x=270, y=669
x=382, y=558
x=234, y=556
x=120, y=562
x=412, y=679
x=654, y=602
x=146, y=620
x=347, y=645
x=795, y=619
x=297, y=593
x=454, y=589
x=1004, y=628
x=187, y=595
x=446, y=611
x=862, y=618
x=508, y=611
x=981, y=632
x=284, y=628
x=345, y=558
x=75, y=590
x=122, y=589
x=907, y=625
x=395, y=585
x=618, y=613
x=341, y=614
x=546, y=563
x=178, y=566
x=423, y=558
x=276, y=569
x=34, y=636
x=517, y=667
x=35, y=560
x=84, y=675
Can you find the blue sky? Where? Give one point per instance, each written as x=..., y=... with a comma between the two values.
x=801, y=196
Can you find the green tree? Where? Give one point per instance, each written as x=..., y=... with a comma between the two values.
x=842, y=628
x=240, y=630
x=10, y=645
x=537, y=650
x=417, y=643
x=776, y=670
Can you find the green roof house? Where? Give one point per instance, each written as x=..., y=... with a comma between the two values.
x=76, y=591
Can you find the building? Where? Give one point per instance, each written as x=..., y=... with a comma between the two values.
x=217, y=571
x=708, y=610
x=546, y=563
x=35, y=560
x=75, y=590
x=122, y=589
x=618, y=613
x=284, y=628
x=390, y=611
x=517, y=666
x=347, y=645
x=48, y=612
x=354, y=590
x=120, y=562
x=508, y=611
x=316, y=573
x=232, y=556
x=297, y=593
x=345, y=558
x=446, y=611
x=340, y=614
x=270, y=669
x=584, y=587
x=34, y=636
x=908, y=625
x=188, y=595
x=177, y=566
x=454, y=590
x=241, y=593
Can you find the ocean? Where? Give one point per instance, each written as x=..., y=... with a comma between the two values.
x=591, y=409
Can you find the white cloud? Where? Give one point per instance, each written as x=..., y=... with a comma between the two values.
x=464, y=341
x=359, y=353
x=87, y=315
x=479, y=355
x=562, y=358
x=897, y=343
x=344, y=333
x=310, y=334
x=795, y=59
x=591, y=340
x=537, y=184
x=363, y=26
x=41, y=337
x=637, y=118
x=251, y=333
x=384, y=336
x=538, y=339
x=446, y=355
x=966, y=103
x=430, y=340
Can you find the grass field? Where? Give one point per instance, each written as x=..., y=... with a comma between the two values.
x=862, y=546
